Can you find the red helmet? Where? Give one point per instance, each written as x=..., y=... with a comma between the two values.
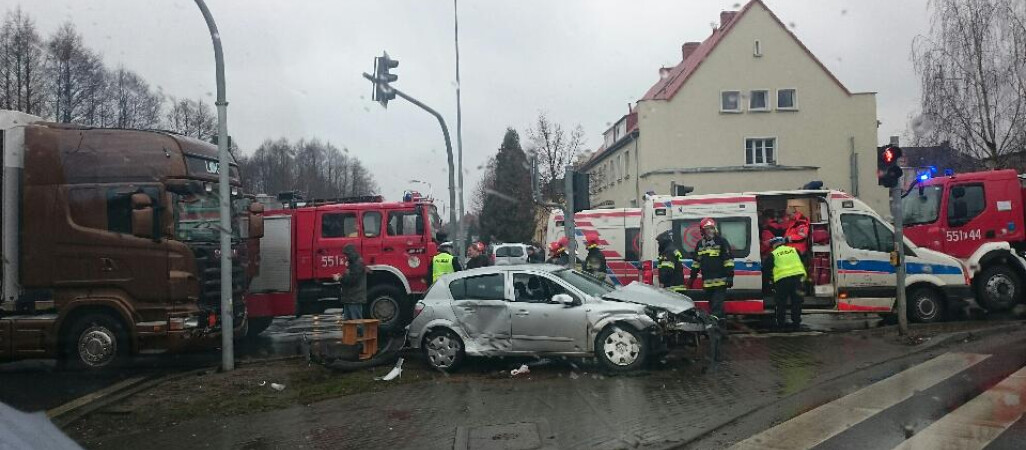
x=707, y=222
x=562, y=242
x=554, y=247
x=591, y=240
x=480, y=246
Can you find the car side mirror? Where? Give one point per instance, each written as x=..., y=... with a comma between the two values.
x=142, y=216
x=256, y=220
x=564, y=299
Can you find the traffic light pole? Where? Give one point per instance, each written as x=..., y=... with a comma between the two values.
x=448, y=149
x=568, y=217
x=898, y=212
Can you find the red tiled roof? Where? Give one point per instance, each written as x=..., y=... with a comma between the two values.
x=667, y=87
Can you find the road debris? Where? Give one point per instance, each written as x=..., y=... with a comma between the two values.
x=522, y=370
x=396, y=372
x=278, y=387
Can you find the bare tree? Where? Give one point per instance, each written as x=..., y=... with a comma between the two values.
x=131, y=101
x=22, y=85
x=315, y=168
x=972, y=68
x=555, y=149
x=192, y=118
x=484, y=187
x=77, y=77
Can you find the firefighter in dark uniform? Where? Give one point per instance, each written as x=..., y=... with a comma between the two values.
x=595, y=262
x=671, y=263
x=714, y=259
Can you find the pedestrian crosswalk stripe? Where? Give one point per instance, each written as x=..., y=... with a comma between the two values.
x=978, y=422
x=813, y=427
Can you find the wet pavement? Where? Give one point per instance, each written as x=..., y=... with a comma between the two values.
x=564, y=403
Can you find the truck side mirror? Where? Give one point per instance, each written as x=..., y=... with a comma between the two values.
x=142, y=215
x=256, y=220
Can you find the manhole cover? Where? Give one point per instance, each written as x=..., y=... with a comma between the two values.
x=513, y=436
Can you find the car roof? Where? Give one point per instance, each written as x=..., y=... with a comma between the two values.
x=499, y=269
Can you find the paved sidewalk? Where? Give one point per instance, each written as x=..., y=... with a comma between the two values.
x=581, y=409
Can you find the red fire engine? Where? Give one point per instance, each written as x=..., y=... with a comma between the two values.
x=302, y=249
x=979, y=218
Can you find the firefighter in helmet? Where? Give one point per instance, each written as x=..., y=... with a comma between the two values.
x=444, y=262
x=671, y=263
x=595, y=262
x=714, y=259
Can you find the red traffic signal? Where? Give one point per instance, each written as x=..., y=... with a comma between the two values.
x=888, y=171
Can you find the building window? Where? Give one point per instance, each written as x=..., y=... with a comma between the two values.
x=759, y=100
x=758, y=48
x=760, y=151
x=627, y=164
x=619, y=167
x=787, y=99
x=730, y=101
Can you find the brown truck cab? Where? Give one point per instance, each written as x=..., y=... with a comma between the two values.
x=110, y=242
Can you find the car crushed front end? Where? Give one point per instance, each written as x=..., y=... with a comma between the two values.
x=677, y=322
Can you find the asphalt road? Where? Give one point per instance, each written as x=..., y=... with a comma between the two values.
x=38, y=384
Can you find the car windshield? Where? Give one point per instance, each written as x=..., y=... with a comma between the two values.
x=922, y=205
x=197, y=216
x=586, y=283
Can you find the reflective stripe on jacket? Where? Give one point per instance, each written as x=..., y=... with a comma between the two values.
x=787, y=263
x=441, y=264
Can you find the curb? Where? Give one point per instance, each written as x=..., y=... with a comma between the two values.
x=933, y=343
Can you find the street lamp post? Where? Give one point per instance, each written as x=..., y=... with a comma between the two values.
x=224, y=191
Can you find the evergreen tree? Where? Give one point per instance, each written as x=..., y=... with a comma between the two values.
x=507, y=214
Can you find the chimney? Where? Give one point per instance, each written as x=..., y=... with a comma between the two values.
x=688, y=48
x=726, y=17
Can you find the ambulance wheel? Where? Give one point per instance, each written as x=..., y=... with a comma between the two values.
x=388, y=304
x=925, y=305
x=998, y=288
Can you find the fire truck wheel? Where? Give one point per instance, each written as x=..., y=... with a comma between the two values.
x=257, y=325
x=925, y=305
x=95, y=341
x=387, y=304
x=998, y=288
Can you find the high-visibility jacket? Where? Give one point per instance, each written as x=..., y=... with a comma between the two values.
x=714, y=259
x=786, y=263
x=441, y=264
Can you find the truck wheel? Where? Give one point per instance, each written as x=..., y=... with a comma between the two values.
x=620, y=348
x=924, y=305
x=95, y=342
x=443, y=349
x=998, y=288
x=257, y=325
x=387, y=304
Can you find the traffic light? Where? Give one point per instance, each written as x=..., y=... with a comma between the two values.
x=382, y=65
x=888, y=170
x=582, y=191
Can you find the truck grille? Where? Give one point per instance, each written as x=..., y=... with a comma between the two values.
x=209, y=267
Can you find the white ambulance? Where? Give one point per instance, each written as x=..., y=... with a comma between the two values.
x=848, y=261
x=617, y=231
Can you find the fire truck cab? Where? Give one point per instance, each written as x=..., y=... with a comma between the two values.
x=617, y=231
x=848, y=257
x=979, y=218
x=302, y=250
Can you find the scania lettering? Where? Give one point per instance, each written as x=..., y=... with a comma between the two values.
x=848, y=262
x=110, y=242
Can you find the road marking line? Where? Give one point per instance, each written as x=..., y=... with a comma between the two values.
x=816, y=426
x=979, y=421
x=93, y=396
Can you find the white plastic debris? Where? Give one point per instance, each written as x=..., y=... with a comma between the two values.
x=262, y=384
x=574, y=376
x=278, y=387
x=522, y=370
x=396, y=372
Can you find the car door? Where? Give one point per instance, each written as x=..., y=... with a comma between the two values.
x=335, y=229
x=539, y=323
x=866, y=277
x=481, y=310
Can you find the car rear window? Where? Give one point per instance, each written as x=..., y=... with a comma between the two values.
x=502, y=252
x=516, y=252
x=484, y=287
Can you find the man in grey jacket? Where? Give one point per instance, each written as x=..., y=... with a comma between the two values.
x=353, y=284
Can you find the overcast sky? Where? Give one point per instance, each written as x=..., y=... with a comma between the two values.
x=293, y=68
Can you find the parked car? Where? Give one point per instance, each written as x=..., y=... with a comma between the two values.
x=543, y=309
x=509, y=254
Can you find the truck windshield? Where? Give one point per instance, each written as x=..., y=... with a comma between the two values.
x=922, y=208
x=196, y=216
x=435, y=222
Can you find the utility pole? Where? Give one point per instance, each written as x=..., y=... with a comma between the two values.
x=383, y=93
x=898, y=212
x=459, y=121
x=568, y=216
x=224, y=191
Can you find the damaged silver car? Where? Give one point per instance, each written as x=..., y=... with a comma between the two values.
x=550, y=310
